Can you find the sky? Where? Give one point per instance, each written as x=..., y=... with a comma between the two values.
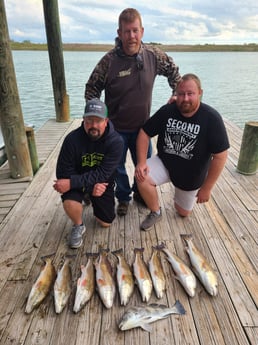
x=165, y=22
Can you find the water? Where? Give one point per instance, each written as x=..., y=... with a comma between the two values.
x=229, y=82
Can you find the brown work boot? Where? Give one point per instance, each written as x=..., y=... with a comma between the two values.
x=122, y=208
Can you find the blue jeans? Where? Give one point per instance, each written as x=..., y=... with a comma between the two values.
x=123, y=189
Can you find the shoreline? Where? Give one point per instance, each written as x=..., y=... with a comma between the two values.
x=251, y=47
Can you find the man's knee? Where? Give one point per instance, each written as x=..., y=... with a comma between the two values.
x=146, y=184
x=72, y=206
x=103, y=224
x=181, y=211
x=74, y=203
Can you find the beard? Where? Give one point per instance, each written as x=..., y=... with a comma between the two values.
x=94, y=133
x=187, y=107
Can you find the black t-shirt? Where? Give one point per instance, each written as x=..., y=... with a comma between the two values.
x=185, y=145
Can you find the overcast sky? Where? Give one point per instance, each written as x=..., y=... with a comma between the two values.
x=167, y=22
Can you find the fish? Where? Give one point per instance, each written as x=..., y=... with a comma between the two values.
x=85, y=284
x=125, y=280
x=104, y=279
x=142, y=275
x=42, y=285
x=182, y=271
x=201, y=267
x=157, y=272
x=62, y=286
x=143, y=316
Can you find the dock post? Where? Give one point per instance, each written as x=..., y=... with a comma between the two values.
x=11, y=118
x=248, y=156
x=55, y=53
x=32, y=149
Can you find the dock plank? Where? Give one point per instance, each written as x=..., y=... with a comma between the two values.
x=225, y=229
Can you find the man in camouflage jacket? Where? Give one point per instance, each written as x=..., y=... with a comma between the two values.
x=127, y=74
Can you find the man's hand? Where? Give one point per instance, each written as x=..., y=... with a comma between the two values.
x=99, y=189
x=172, y=99
x=203, y=195
x=141, y=171
x=62, y=185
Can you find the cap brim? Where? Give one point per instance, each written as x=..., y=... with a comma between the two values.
x=94, y=114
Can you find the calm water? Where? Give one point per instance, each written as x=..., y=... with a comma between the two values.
x=229, y=82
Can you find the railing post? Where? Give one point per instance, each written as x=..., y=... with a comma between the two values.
x=55, y=52
x=248, y=156
x=11, y=118
x=32, y=149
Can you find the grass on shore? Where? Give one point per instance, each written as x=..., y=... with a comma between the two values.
x=252, y=47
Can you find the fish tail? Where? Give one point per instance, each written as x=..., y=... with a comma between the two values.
x=96, y=258
x=103, y=250
x=159, y=247
x=69, y=256
x=91, y=255
x=138, y=250
x=179, y=308
x=186, y=237
x=118, y=252
x=48, y=256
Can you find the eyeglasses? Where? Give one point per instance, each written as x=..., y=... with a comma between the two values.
x=139, y=62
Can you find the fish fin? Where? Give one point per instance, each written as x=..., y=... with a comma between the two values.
x=154, y=305
x=146, y=327
x=179, y=307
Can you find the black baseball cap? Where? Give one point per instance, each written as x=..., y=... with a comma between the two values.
x=95, y=107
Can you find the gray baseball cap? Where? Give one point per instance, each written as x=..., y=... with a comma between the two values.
x=95, y=107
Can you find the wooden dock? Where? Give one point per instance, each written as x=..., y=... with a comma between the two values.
x=225, y=229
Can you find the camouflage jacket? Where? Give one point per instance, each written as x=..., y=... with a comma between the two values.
x=128, y=83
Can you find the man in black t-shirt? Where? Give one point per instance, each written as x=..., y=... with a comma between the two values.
x=191, y=151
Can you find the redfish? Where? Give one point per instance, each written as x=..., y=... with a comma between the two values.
x=85, y=285
x=142, y=275
x=42, y=286
x=182, y=272
x=62, y=286
x=104, y=279
x=125, y=280
x=201, y=267
x=157, y=273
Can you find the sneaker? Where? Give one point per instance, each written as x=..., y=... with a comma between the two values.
x=138, y=198
x=150, y=220
x=122, y=208
x=75, y=240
